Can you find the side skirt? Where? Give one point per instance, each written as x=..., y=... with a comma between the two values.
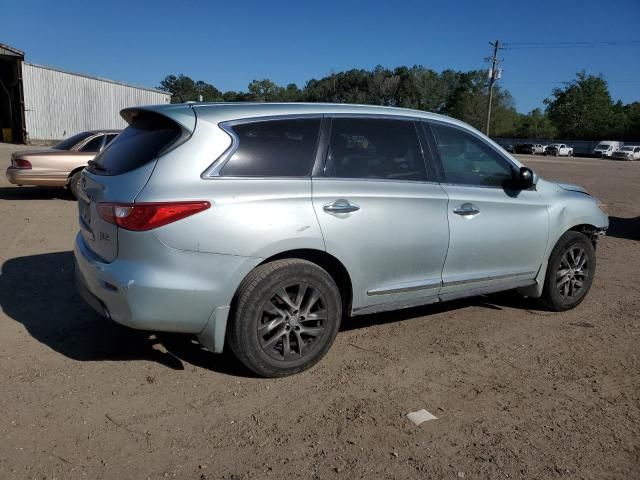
x=471, y=292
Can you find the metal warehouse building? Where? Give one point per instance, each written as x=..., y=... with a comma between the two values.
x=44, y=103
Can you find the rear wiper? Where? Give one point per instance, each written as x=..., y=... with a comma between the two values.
x=96, y=166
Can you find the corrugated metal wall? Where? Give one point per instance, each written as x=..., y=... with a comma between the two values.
x=60, y=104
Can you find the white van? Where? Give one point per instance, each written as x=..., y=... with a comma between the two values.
x=606, y=147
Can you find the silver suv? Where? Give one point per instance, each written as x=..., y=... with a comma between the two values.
x=262, y=225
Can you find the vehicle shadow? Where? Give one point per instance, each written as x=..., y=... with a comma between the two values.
x=39, y=292
x=34, y=193
x=628, y=228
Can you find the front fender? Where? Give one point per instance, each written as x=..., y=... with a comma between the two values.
x=567, y=210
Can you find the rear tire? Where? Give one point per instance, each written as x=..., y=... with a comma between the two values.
x=570, y=272
x=74, y=183
x=285, y=318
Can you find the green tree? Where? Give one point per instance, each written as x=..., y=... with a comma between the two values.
x=632, y=112
x=265, y=91
x=292, y=93
x=583, y=108
x=536, y=124
x=183, y=89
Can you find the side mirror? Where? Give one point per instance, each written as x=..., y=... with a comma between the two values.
x=525, y=178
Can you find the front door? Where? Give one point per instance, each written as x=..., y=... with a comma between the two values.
x=498, y=233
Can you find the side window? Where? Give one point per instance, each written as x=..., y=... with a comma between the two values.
x=274, y=148
x=110, y=137
x=375, y=148
x=468, y=160
x=93, y=145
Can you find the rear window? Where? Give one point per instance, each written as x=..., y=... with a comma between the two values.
x=274, y=148
x=138, y=144
x=93, y=145
x=71, y=142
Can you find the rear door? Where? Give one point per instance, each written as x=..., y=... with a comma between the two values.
x=118, y=173
x=498, y=234
x=380, y=211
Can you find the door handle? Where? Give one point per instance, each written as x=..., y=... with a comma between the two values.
x=466, y=209
x=340, y=206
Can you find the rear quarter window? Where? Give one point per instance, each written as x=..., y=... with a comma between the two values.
x=274, y=148
x=142, y=141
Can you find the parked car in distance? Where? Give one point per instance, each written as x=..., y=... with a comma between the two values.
x=509, y=147
x=517, y=148
x=60, y=165
x=606, y=148
x=260, y=226
x=559, y=150
x=533, y=148
x=628, y=152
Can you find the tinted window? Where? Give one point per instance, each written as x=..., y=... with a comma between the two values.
x=110, y=137
x=375, y=148
x=468, y=160
x=275, y=148
x=72, y=141
x=138, y=144
x=93, y=145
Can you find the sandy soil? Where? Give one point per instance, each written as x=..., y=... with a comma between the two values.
x=519, y=392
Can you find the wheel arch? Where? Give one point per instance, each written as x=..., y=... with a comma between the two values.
x=328, y=262
x=73, y=172
x=590, y=231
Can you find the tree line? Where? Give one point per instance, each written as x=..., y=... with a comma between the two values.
x=580, y=109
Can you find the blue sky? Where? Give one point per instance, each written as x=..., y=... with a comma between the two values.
x=229, y=44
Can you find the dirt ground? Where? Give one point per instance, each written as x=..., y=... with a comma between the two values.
x=519, y=392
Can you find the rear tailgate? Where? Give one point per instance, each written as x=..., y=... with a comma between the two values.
x=122, y=169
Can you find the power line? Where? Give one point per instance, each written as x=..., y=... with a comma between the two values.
x=570, y=44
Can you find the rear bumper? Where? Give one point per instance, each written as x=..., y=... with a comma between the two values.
x=153, y=287
x=89, y=298
x=23, y=176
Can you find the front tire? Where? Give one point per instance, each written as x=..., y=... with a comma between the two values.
x=285, y=318
x=570, y=272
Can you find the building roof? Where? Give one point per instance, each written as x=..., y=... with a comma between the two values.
x=10, y=51
x=92, y=77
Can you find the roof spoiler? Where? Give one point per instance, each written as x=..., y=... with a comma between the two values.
x=182, y=114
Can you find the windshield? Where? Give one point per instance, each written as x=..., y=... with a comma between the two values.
x=603, y=146
x=71, y=141
x=627, y=149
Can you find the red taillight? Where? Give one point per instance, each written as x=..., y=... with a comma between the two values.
x=21, y=163
x=146, y=216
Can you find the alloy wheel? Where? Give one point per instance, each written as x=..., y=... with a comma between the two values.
x=292, y=321
x=572, y=272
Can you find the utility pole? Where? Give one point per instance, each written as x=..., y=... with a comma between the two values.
x=494, y=74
